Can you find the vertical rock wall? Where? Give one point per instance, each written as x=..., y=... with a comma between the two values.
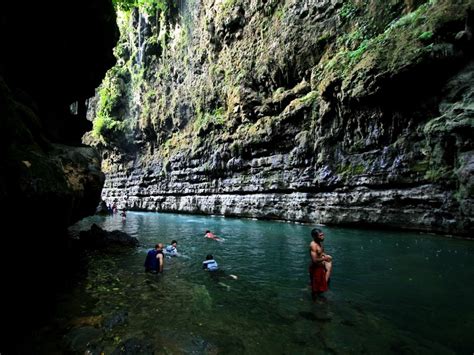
x=337, y=112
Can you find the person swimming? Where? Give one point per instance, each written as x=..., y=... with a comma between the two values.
x=211, y=235
x=210, y=264
x=171, y=250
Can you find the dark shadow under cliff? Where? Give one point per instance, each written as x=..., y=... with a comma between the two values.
x=53, y=55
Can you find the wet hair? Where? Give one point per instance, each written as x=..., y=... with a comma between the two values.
x=209, y=257
x=208, y=231
x=157, y=246
x=174, y=241
x=315, y=233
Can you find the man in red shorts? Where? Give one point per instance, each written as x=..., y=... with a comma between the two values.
x=321, y=264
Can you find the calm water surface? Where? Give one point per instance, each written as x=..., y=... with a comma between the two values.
x=390, y=293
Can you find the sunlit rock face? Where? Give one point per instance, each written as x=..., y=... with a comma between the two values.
x=53, y=55
x=337, y=112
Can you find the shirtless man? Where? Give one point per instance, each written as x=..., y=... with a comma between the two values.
x=321, y=264
x=211, y=235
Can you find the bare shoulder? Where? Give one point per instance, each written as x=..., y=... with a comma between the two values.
x=314, y=246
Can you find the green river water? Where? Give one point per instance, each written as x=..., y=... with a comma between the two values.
x=391, y=292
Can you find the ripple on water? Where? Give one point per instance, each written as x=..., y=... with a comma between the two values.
x=387, y=291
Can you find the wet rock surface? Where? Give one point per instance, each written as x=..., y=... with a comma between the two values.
x=324, y=112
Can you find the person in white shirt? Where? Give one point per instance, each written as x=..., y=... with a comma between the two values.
x=210, y=264
x=171, y=250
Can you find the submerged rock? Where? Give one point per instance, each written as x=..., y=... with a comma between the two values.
x=116, y=319
x=96, y=237
x=81, y=339
x=135, y=346
x=90, y=321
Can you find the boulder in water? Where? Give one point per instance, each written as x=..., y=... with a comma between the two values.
x=96, y=237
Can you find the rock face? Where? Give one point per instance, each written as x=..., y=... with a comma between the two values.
x=53, y=55
x=336, y=112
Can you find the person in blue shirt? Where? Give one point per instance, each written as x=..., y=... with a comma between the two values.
x=171, y=250
x=154, y=259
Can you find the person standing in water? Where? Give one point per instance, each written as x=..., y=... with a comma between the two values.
x=154, y=259
x=320, y=267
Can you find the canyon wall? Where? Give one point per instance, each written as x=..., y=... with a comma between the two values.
x=334, y=112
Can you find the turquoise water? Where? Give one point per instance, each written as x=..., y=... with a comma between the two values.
x=390, y=292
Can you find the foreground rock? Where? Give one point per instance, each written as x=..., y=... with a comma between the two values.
x=98, y=238
x=53, y=56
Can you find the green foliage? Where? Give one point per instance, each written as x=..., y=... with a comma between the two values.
x=227, y=5
x=350, y=169
x=349, y=10
x=109, y=94
x=345, y=59
x=309, y=97
x=352, y=40
x=324, y=38
x=279, y=13
x=148, y=5
x=413, y=18
x=425, y=36
x=124, y=5
x=183, y=38
x=403, y=41
x=354, y=56
x=216, y=118
x=358, y=169
x=420, y=166
x=438, y=173
x=236, y=149
x=107, y=126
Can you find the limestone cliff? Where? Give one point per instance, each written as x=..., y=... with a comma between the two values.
x=336, y=112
